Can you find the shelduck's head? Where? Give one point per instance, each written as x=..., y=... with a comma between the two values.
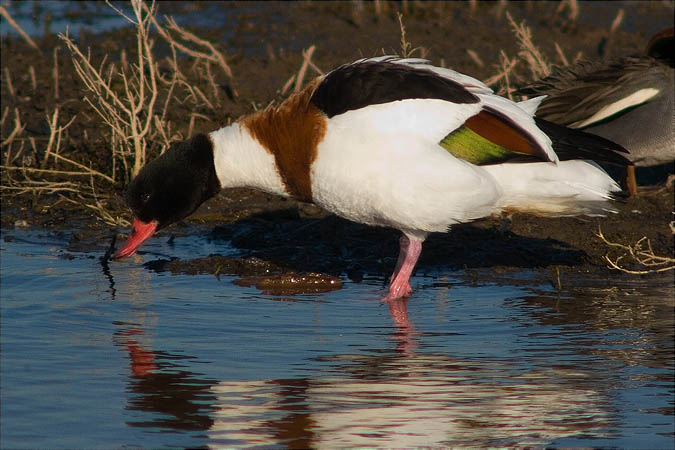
x=169, y=189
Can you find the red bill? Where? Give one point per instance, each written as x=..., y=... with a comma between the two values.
x=140, y=233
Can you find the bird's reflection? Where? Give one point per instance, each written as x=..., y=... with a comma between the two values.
x=404, y=333
x=398, y=397
x=141, y=359
x=178, y=398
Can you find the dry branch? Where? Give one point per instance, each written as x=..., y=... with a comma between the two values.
x=16, y=26
x=210, y=55
x=506, y=65
x=296, y=80
x=18, y=129
x=8, y=80
x=307, y=55
x=33, y=79
x=129, y=113
x=638, y=254
x=474, y=56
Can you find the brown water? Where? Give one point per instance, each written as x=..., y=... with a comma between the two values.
x=120, y=356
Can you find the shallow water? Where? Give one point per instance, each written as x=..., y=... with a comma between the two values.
x=96, y=357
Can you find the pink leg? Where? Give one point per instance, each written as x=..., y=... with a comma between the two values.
x=407, y=258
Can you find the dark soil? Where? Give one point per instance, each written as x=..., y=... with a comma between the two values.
x=282, y=237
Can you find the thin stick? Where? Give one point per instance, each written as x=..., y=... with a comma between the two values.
x=505, y=68
x=510, y=64
x=52, y=135
x=192, y=124
x=55, y=73
x=50, y=171
x=212, y=82
x=561, y=55
x=287, y=85
x=18, y=128
x=16, y=26
x=307, y=54
x=5, y=113
x=75, y=163
x=8, y=77
x=474, y=56
x=214, y=56
x=33, y=80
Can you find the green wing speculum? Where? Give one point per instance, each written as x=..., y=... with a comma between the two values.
x=491, y=138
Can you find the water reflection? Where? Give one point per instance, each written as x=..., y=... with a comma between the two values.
x=397, y=397
x=201, y=362
x=633, y=322
x=396, y=400
x=162, y=384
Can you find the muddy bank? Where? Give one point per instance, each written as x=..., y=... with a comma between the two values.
x=264, y=49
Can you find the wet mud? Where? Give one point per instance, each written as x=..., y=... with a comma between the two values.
x=290, y=247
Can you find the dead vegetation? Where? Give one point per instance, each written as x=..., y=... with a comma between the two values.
x=131, y=98
x=637, y=259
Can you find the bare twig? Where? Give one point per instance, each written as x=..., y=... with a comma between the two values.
x=8, y=79
x=5, y=113
x=10, y=157
x=47, y=171
x=33, y=79
x=129, y=114
x=296, y=80
x=475, y=58
x=16, y=26
x=645, y=257
x=211, y=55
x=561, y=55
x=506, y=65
x=288, y=84
x=506, y=69
x=52, y=135
x=82, y=166
x=55, y=73
x=18, y=129
x=307, y=55
x=55, y=133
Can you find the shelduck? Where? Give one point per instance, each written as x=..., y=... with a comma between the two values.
x=386, y=142
x=628, y=99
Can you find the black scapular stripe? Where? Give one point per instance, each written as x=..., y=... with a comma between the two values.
x=355, y=86
x=570, y=143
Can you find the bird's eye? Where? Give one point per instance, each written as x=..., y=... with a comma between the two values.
x=145, y=197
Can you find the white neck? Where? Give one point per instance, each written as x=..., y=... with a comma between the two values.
x=241, y=161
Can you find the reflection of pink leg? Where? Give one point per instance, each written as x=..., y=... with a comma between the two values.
x=407, y=258
x=398, y=309
x=405, y=335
